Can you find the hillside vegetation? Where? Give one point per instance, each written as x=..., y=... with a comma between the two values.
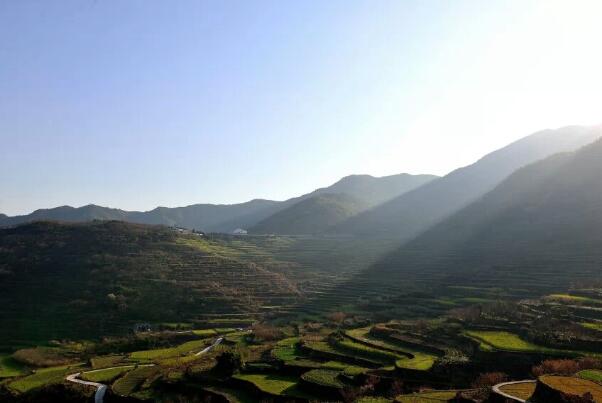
x=311, y=216
x=85, y=280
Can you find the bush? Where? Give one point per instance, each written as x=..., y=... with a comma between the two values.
x=266, y=332
x=557, y=367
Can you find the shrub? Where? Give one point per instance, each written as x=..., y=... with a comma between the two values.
x=266, y=332
x=485, y=381
x=557, y=367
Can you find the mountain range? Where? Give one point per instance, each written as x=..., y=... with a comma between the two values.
x=412, y=213
x=368, y=191
x=398, y=207
x=540, y=226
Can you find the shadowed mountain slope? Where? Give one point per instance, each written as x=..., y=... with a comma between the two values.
x=318, y=211
x=312, y=215
x=539, y=229
x=408, y=215
x=227, y=217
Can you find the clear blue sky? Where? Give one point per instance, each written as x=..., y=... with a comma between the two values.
x=134, y=104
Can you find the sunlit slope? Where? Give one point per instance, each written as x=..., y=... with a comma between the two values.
x=410, y=214
x=540, y=229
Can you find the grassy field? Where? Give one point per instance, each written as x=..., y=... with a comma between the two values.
x=421, y=361
x=521, y=390
x=106, y=361
x=573, y=386
x=275, y=384
x=568, y=298
x=592, y=325
x=286, y=350
x=494, y=340
x=188, y=347
x=105, y=375
x=594, y=375
x=427, y=397
x=42, y=377
x=132, y=381
x=324, y=377
x=10, y=368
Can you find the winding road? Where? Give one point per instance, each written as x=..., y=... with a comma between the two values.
x=496, y=389
x=101, y=388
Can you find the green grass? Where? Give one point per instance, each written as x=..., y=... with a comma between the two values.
x=422, y=361
x=324, y=377
x=161, y=353
x=205, y=332
x=427, y=397
x=573, y=298
x=371, y=353
x=132, y=381
x=106, y=361
x=10, y=368
x=592, y=325
x=286, y=350
x=42, y=377
x=594, y=375
x=105, y=375
x=497, y=340
x=275, y=384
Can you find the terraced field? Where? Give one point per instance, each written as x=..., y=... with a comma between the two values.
x=10, y=368
x=573, y=386
x=491, y=340
x=134, y=380
x=427, y=397
x=42, y=377
x=105, y=375
x=276, y=385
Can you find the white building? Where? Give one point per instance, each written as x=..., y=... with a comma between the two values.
x=239, y=231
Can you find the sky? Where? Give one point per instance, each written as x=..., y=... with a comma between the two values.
x=139, y=103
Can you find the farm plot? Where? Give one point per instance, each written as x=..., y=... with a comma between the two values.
x=105, y=375
x=134, y=380
x=521, y=390
x=10, y=368
x=272, y=384
x=573, y=386
x=494, y=340
x=42, y=377
x=188, y=347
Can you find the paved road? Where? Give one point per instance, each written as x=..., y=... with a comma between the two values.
x=101, y=389
x=496, y=389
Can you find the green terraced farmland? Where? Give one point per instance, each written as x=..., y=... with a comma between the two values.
x=324, y=377
x=506, y=341
x=279, y=385
x=105, y=375
x=10, y=368
x=133, y=380
x=42, y=377
x=419, y=360
x=591, y=375
x=188, y=347
x=428, y=397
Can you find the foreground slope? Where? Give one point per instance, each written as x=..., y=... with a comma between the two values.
x=86, y=280
x=408, y=215
x=540, y=229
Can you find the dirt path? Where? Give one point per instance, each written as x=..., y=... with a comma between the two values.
x=496, y=389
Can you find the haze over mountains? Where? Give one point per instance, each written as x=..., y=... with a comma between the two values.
x=540, y=226
x=396, y=207
x=367, y=189
x=412, y=213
